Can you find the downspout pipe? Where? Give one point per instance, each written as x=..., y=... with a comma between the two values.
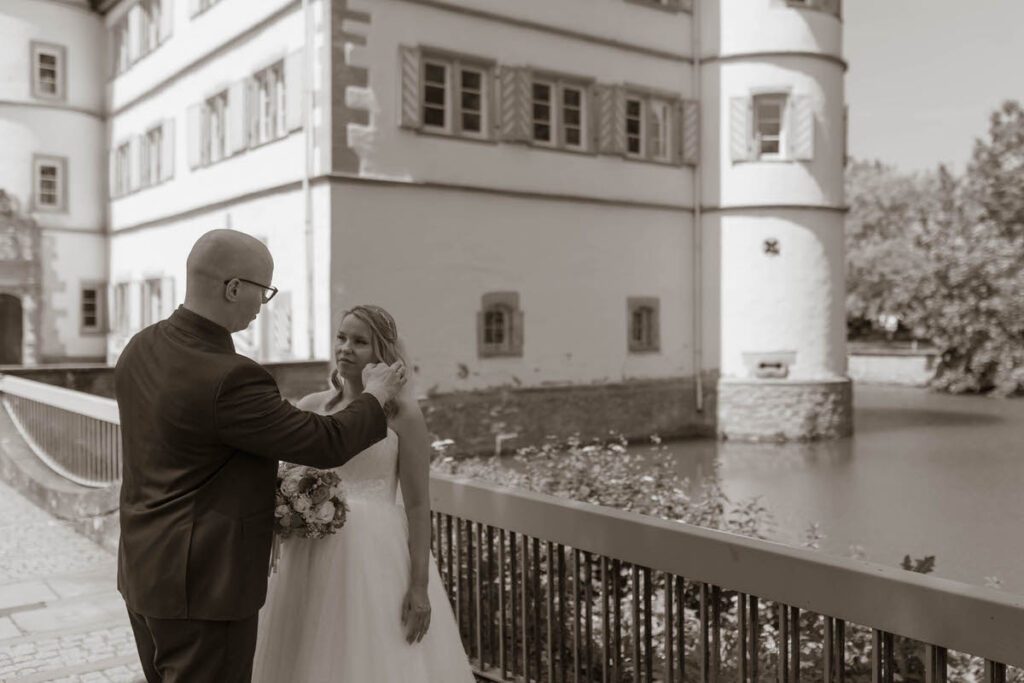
x=698, y=228
x=307, y=198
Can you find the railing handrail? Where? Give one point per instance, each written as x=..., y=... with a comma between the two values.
x=97, y=407
x=981, y=621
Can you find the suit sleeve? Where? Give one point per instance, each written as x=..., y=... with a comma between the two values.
x=251, y=416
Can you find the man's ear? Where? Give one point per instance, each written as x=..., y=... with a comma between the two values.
x=231, y=290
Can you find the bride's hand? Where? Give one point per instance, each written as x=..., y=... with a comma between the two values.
x=416, y=613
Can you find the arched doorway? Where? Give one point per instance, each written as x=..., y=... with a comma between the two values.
x=10, y=330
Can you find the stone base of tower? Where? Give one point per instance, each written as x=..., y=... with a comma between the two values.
x=784, y=410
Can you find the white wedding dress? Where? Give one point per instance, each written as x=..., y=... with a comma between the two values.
x=333, y=610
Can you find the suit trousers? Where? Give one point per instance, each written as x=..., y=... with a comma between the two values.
x=195, y=650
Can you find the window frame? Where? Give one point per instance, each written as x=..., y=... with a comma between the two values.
x=454, y=66
x=151, y=152
x=668, y=126
x=60, y=191
x=642, y=135
x=267, y=105
x=558, y=86
x=507, y=304
x=38, y=49
x=782, y=100
x=122, y=319
x=638, y=305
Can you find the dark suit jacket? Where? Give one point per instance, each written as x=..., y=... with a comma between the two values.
x=203, y=429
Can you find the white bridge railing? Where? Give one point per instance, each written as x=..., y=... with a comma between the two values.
x=548, y=589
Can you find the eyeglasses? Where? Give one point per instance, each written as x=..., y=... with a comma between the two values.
x=268, y=291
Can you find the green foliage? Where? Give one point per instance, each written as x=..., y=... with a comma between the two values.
x=946, y=256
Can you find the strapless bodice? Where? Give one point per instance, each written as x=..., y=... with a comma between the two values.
x=372, y=474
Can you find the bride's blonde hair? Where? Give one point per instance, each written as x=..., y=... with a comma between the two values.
x=384, y=343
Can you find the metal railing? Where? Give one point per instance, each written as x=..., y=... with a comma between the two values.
x=549, y=589
x=76, y=434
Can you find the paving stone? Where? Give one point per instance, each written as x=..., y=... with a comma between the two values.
x=14, y=595
x=8, y=629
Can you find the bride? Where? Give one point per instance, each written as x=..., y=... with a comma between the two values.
x=355, y=607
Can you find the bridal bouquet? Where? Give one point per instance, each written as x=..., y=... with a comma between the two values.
x=308, y=503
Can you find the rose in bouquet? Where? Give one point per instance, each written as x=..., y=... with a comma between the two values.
x=308, y=503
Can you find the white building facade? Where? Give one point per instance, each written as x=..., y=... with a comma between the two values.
x=550, y=196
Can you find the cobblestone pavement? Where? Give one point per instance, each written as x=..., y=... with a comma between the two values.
x=61, y=618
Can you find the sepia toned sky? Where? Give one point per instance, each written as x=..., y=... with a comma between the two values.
x=925, y=75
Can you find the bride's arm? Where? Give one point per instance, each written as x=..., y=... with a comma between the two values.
x=414, y=474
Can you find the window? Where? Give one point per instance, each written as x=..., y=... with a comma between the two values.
x=768, y=126
x=48, y=71
x=152, y=301
x=149, y=31
x=543, y=116
x=435, y=95
x=267, y=113
x=500, y=325
x=634, y=126
x=214, y=124
x=50, y=183
x=643, y=324
x=151, y=162
x=454, y=96
x=92, y=313
x=200, y=6
x=558, y=114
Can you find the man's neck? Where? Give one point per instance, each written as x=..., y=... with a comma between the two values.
x=205, y=312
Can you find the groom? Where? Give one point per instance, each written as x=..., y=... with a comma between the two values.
x=202, y=430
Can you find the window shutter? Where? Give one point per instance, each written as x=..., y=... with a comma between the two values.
x=517, y=332
x=611, y=119
x=135, y=163
x=741, y=143
x=409, y=115
x=480, y=347
x=236, y=118
x=166, y=19
x=252, y=115
x=166, y=297
x=112, y=173
x=134, y=33
x=689, y=115
x=648, y=110
x=194, y=132
x=515, y=104
x=294, y=85
x=801, y=128
x=167, y=150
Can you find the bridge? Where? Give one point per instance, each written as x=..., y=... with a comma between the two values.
x=554, y=590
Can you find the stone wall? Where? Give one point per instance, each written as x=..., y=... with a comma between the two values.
x=766, y=410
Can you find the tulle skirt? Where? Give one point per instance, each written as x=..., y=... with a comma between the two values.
x=333, y=610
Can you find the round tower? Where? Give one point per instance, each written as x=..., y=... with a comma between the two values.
x=53, y=173
x=773, y=209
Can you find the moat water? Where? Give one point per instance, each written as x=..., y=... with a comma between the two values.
x=924, y=474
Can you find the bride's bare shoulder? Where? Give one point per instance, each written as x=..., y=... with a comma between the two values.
x=314, y=402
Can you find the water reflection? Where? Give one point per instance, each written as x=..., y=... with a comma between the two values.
x=924, y=474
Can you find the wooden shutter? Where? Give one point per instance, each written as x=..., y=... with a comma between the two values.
x=194, y=132
x=410, y=113
x=800, y=128
x=134, y=163
x=167, y=150
x=167, y=300
x=237, y=133
x=294, y=89
x=134, y=33
x=166, y=19
x=611, y=119
x=515, y=99
x=689, y=118
x=741, y=131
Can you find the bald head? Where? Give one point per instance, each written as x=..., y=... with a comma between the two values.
x=233, y=256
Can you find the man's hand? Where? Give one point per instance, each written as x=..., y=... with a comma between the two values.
x=383, y=381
